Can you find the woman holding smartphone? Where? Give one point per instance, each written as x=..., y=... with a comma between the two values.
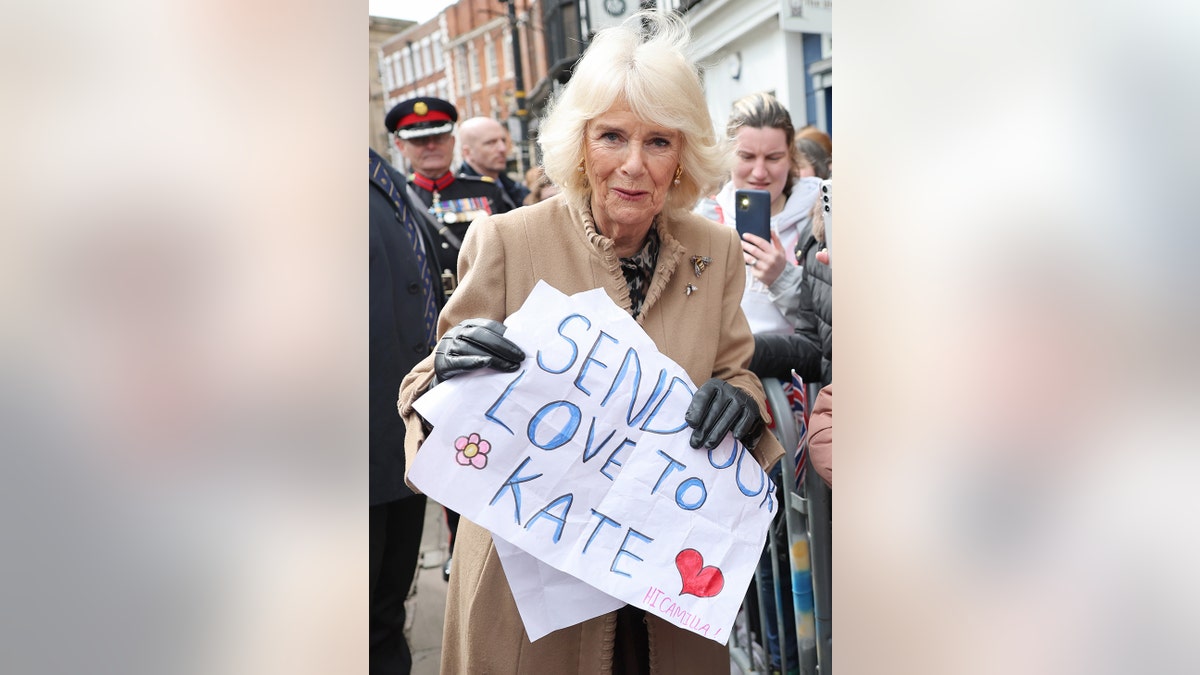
x=765, y=158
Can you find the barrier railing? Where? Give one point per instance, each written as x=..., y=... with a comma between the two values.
x=805, y=531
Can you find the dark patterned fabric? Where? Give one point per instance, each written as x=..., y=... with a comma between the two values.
x=639, y=270
x=379, y=174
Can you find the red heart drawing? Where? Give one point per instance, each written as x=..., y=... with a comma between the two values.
x=700, y=581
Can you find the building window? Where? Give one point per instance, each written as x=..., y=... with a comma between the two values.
x=443, y=91
x=473, y=66
x=460, y=70
x=397, y=71
x=437, y=55
x=489, y=57
x=425, y=54
x=508, y=64
x=386, y=72
x=496, y=111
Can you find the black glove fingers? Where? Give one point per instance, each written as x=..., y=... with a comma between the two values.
x=748, y=427
x=698, y=411
x=486, y=341
x=744, y=424
x=469, y=362
x=475, y=344
x=716, y=408
x=698, y=408
x=723, y=423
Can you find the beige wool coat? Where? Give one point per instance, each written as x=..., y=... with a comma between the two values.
x=705, y=332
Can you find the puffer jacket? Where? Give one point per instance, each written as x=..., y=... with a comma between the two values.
x=810, y=349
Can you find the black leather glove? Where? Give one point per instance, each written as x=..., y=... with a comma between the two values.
x=474, y=344
x=718, y=408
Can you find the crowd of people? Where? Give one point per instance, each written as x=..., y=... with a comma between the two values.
x=635, y=185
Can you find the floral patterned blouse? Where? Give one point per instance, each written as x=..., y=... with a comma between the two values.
x=639, y=270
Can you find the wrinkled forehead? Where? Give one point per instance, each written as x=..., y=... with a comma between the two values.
x=627, y=121
x=658, y=117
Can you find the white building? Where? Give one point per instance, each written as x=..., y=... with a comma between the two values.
x=743, y=46
x=781, y=46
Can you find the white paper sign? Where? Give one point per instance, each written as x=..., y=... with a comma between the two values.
x=581, y=459
x=548, y=599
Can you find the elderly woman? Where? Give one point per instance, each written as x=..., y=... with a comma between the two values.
x=630, y=142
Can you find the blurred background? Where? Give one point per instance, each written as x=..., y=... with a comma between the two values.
x=507, y=59
x=185, y=354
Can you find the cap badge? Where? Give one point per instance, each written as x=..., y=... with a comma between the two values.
x=420, y=108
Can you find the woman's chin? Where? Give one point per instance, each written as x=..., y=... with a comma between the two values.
x=630, y=213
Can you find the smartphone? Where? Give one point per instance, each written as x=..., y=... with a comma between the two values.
x=752, y=212
x=827, y=214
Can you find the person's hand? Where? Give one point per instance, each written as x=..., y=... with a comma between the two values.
x=474, y=344
x=766, y=259
x=718, y=408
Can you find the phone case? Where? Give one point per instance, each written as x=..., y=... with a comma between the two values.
x=752, y=209
x=827, y=213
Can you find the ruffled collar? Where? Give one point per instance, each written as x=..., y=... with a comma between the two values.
x=600, y=241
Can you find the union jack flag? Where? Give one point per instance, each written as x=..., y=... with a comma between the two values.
x=798, y=398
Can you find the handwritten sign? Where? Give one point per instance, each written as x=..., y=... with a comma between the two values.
x=546, y=598
x=581, y=460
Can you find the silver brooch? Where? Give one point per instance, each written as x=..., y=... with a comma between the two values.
x=700, y=263
x=689, y=290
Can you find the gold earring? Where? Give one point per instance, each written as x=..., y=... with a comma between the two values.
x=580, y=167
x=678, y=173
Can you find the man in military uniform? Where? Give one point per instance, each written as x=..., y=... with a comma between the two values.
x=423, y=128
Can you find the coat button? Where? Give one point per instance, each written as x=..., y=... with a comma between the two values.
x=445, y=245
x=414, y=287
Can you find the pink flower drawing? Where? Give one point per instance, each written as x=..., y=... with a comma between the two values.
x=472, y=451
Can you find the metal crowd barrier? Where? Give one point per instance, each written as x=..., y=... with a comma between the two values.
x=806, y=517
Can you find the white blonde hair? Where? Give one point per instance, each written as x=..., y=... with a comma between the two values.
x=643, y=62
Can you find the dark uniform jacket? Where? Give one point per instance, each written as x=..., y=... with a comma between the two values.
x=459, y=201
x=397, y=333
x=514, y=192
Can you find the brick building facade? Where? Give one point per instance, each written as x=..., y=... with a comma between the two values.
x=465, y=55
x=381, y=29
